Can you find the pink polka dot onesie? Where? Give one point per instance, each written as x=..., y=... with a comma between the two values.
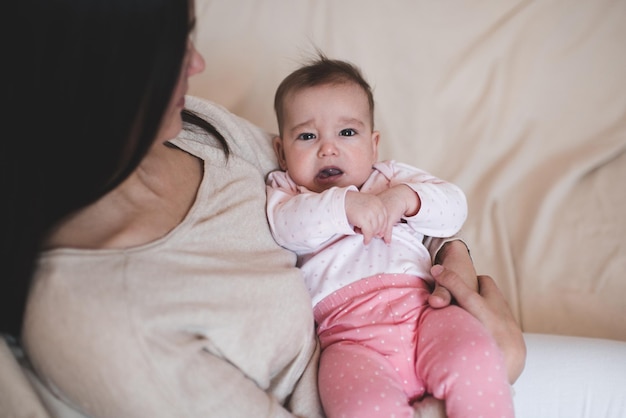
x=383, y=347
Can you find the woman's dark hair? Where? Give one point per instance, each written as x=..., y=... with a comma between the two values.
x=88, y=84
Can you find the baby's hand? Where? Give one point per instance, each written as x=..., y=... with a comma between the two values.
x=399, y=201
x=367, y=213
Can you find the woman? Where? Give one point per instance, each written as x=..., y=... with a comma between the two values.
x=129, y=284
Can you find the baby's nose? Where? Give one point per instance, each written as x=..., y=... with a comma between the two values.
x=327, y=148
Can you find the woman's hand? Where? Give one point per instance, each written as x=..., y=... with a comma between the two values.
x=490, y=307
x=456, y=278
x=429, y=407
x=454, y=256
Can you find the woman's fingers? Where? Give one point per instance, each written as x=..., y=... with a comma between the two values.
x=440, y=297
x=491, y=308
x=429, y=407
x=464, y=295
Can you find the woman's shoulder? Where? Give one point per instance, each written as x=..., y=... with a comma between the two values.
x=245, y=139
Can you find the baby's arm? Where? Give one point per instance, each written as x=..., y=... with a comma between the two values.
x=375, y=215
x=442, y=207
x=303, y=221
x=400, y=202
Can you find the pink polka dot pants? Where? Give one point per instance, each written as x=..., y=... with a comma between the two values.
x=383, y=348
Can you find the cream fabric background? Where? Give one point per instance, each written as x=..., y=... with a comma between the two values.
x=523, y=104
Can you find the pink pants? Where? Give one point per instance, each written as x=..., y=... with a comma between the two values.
x=384, y=348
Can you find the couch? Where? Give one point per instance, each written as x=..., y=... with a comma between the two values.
x=522, y=104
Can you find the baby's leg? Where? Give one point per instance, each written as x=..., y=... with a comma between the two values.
x=357, y=382
x=460, y=362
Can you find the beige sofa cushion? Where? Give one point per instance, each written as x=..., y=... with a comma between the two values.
x=523, y=104
x=18, y=398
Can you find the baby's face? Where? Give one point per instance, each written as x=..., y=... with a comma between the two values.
x=327, y=137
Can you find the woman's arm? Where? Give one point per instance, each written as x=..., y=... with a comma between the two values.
x=456, y=278
x=490, y=307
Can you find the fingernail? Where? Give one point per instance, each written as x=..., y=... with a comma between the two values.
x=436, y=270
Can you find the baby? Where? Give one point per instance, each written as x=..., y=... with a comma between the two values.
x=357, y=225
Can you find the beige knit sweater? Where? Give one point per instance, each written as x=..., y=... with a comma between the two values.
x=212, y=320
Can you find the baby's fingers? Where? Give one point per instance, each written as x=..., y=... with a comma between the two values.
x=367, y=236
x=373, y=229
x=387, y=233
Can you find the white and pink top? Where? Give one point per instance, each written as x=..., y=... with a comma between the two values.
x=332, y=255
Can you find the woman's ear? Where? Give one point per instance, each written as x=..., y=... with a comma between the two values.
x=277, y=143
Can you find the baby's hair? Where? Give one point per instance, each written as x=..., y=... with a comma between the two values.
x=321, y=70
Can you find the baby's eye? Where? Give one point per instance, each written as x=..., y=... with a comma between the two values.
x=347, y=132
x=306, y=136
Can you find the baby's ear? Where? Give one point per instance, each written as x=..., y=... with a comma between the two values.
x=277, y=143
x=375, y=140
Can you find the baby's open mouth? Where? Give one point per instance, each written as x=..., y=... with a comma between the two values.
x=329, y=172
